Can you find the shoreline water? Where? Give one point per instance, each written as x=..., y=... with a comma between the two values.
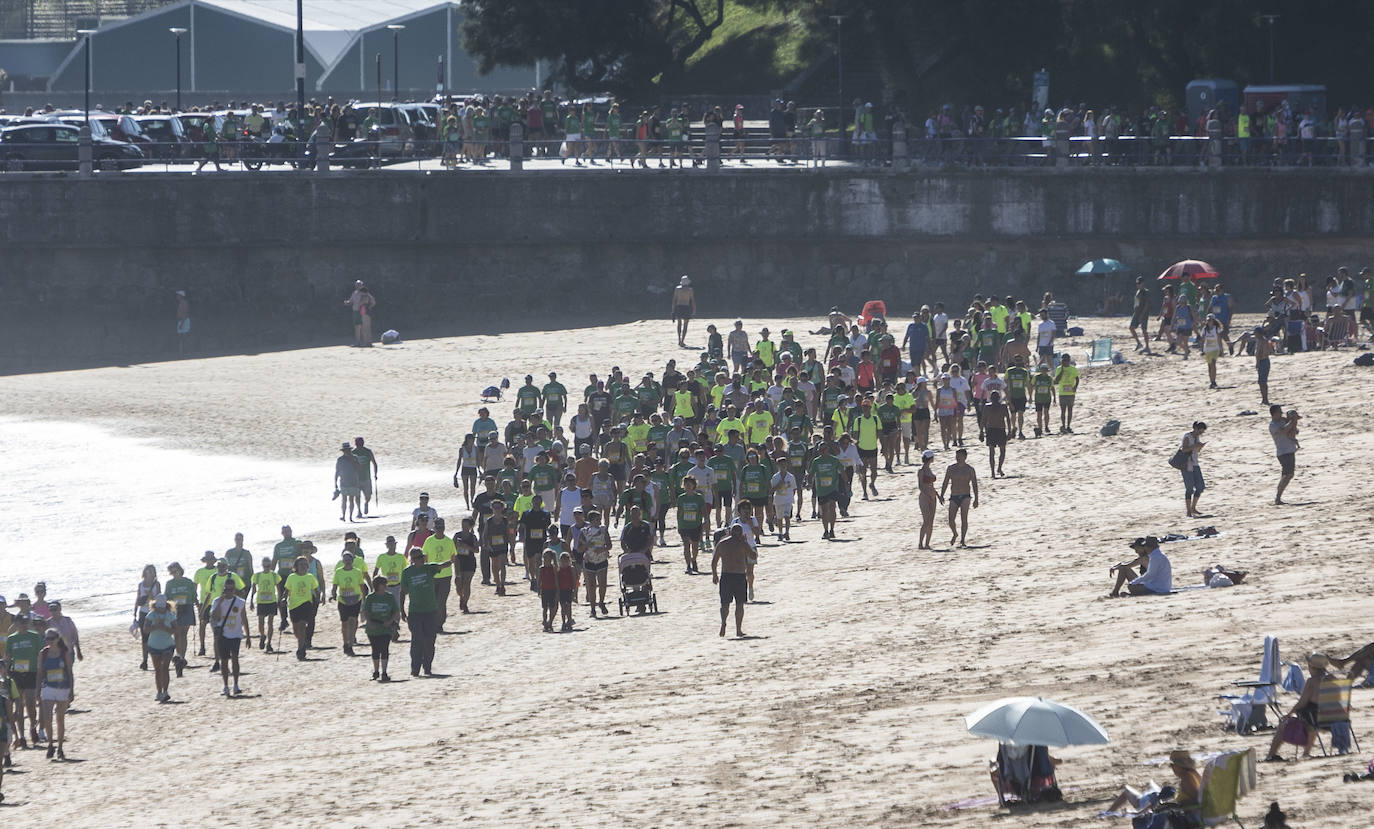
x=87, y=507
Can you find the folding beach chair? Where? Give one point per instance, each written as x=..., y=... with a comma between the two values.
x=1225, y=780
x=1059, y=315
x=1100, y=351
x=1333, y=711
x=1247, y=711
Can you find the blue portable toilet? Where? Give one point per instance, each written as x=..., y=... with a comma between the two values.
x=1205, y=93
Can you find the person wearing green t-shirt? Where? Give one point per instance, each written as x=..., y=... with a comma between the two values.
x=202, y=580
x=1066, y=385
x=905, y=402
x=613, y=123
x=727, y=477
x=302, y=595
x=866, y=428
x=527, y=396
x=554, y=398
x=889, y=428
x=826, y=476
x=440, y=549
x=181, y=591
x=240, y=560
x=263, y=594
x=349, y=589
x=284, y=554
x=1018, y=379
x=422, y=613
x=22, y=648
x=1042, y=390
x=691, y=511
x=380, y=612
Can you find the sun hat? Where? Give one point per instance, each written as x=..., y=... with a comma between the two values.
x=209, y=556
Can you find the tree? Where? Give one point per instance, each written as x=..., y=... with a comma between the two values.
x=626, y=47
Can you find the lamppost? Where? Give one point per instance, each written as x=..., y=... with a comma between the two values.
x=300, y=70
x=178, y=31
x=1270, y=18
x=86, y=51
x=395, y=59
x=839, y=65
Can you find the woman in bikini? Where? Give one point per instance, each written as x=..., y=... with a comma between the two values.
x=925, y=478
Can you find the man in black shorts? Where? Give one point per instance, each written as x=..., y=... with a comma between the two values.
x=729, y=568
x=996, y=421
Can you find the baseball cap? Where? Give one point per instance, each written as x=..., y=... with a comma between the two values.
x=929, y=453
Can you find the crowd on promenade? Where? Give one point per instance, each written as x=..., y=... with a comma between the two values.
x=722, y=458
x=476, y=129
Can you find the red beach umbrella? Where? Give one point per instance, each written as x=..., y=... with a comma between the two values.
x=1194, y=268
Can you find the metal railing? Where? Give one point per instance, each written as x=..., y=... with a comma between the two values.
x=487, y=152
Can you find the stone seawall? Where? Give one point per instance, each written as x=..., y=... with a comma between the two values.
x=90, y=265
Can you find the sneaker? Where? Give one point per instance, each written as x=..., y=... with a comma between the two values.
x=180, y=665
x=386, y=677
x=225, y=691
x=414, y=673
x=237, y=691
x=348, y=650
x=376, y=674
x=214, y=668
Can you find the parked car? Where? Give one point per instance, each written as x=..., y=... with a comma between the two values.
x=167, y=136
x=424, y=126
x=396, y=136
x=55, y=146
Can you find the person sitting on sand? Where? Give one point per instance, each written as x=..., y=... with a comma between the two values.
x=1156, y=574
x=1305, y=709
x=1187, y=795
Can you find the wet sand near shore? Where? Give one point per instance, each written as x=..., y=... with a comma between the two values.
x=842, y=708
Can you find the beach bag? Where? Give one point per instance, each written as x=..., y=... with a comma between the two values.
x=391, y=337
x=1366, y=359
x=1179, y=460
x=1110, y=428
x=1293, y=732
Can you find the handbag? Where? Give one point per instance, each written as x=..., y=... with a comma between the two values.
x=1293, y=731
x=1179, y=460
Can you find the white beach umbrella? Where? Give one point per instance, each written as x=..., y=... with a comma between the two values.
x=1032, y=721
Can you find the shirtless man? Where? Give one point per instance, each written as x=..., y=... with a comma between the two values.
x=1263, y=348
x=729, y=568
x=996, y=421
x=684, y=308
x=962, y=481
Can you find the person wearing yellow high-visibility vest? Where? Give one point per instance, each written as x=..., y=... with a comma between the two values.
x=865, y=427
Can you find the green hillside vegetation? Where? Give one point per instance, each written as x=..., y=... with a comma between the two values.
x=753, y=50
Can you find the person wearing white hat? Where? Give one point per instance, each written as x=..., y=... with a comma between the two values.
x=684, y=308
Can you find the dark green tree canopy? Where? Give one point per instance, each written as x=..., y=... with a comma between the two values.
x=623, y=46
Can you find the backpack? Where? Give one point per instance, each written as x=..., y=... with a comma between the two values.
x=1110, y=428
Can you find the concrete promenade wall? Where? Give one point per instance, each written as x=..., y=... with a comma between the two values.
x=89, y=266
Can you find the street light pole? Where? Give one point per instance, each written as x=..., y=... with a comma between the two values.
x=839, y=65
x=176, y=30
x=86, y=52
x=300, y=71
x=395, y=59
x=1270, y=18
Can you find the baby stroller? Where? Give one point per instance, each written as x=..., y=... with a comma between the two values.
x=636, y=584
x=492, y=394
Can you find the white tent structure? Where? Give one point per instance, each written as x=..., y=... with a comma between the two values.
x=248, y=46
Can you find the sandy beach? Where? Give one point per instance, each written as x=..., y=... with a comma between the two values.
x=843, y=708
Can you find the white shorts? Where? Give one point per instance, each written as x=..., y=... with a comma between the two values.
x=783, y=506
x=51, y=694
x=906, y=429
